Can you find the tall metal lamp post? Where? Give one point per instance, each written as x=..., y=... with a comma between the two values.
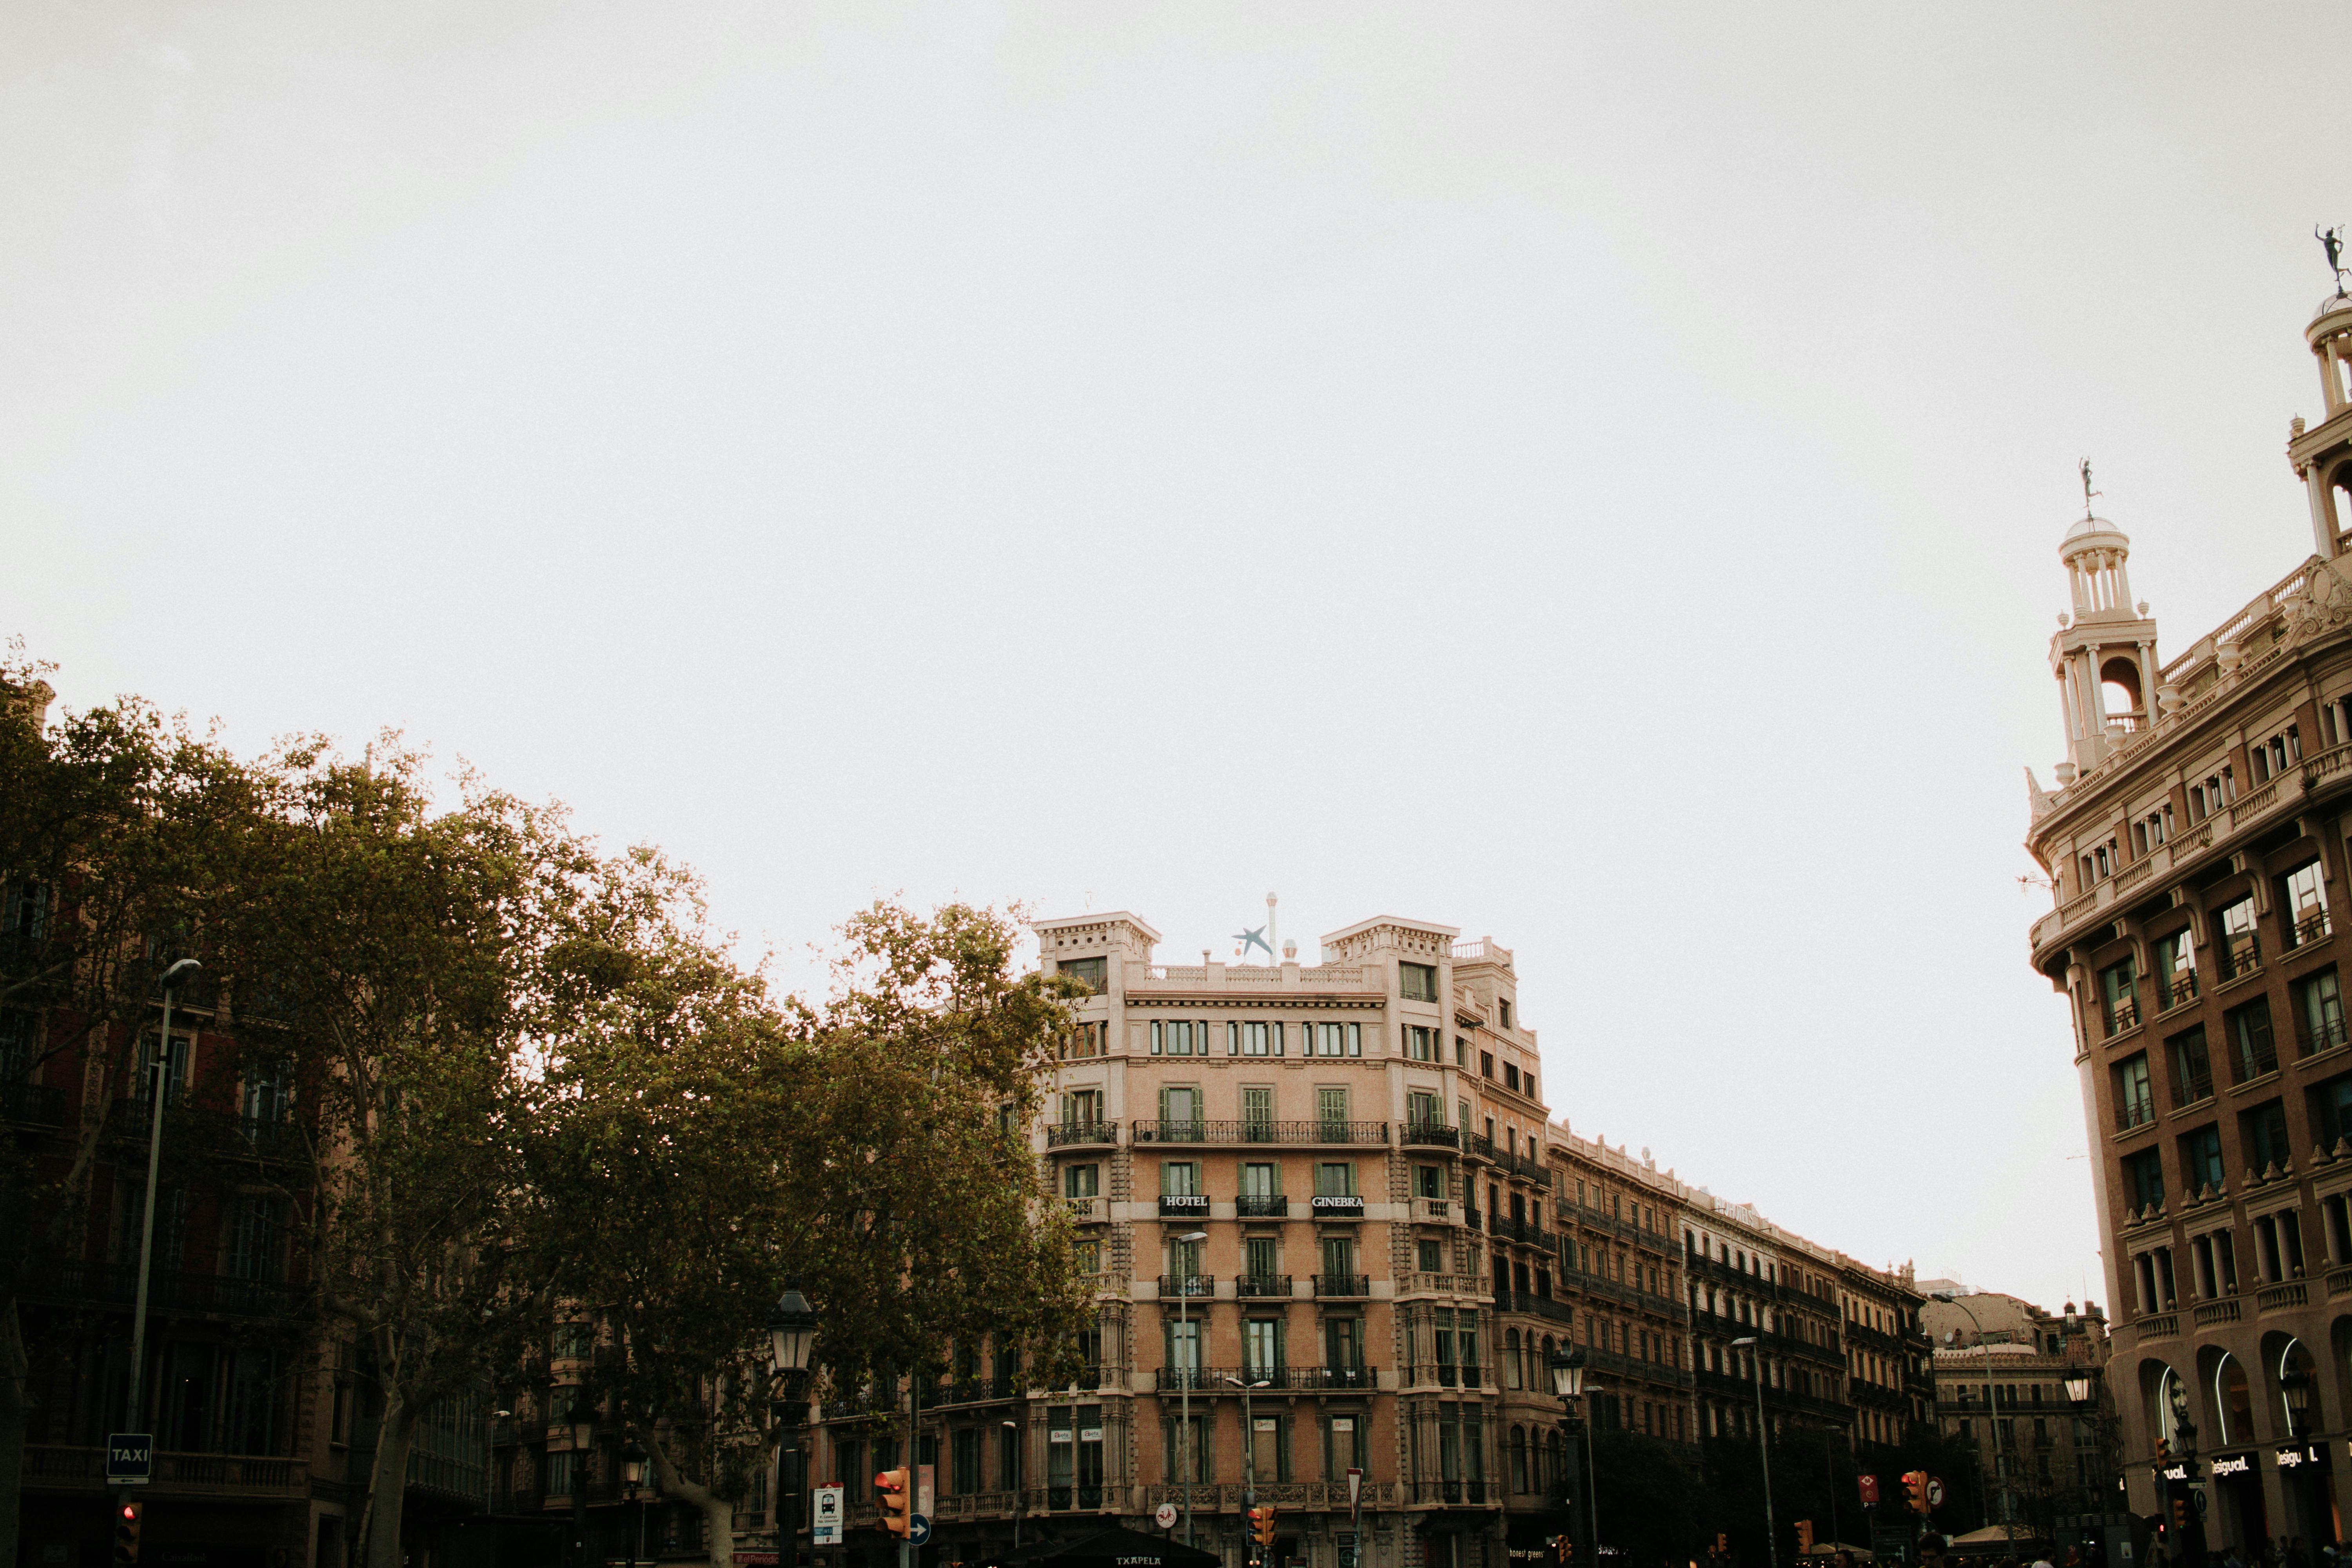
x=186, y=969
x=632, y=1474
x=792, y=1333
x=1763, y=1453
x=583, y=1444
x=1992, y=1406
x=1567, y=1384
x=1186, y=1376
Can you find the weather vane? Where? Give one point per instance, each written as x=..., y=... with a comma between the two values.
x=2331, y=241
x=2088, y=491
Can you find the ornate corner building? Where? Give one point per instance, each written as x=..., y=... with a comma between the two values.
x=2196, y=843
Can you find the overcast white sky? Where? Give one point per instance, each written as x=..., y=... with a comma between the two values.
x=1586, y=475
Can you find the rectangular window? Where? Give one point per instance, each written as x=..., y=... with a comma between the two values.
x=1417, y=982
x=2319, y=1013
x=1258, y=1040
x=1428, y=1182
x=1179, y=1037
x=1261, y=1179
x=18, y=1047
x=1432, y=1257
x=1189, y=1455
x=2176, y=969
x=2332, y=1111
x=1420, y=1043
x=2144, y=1178
x=2263, y=1132
x=1082, y=1108
x=1510, y=1076
x=963, y=1461
x=1089, y=973
x=2134, y=1094
x=1262, y=1348
x=1503, y=1012
x=2201, y=1160
x=1180, y=1113
x=2251, y=1054
x=1422, y=1109
x=1335, y=1178
x=1343, y=1449
x=2119, y=1003
x=1486, y=1064
x=2241, y=946
x=1331, y=1108
x=1343, y=1345
x=1180, y=1178
x=1270, y=1448
x=1338, y=1039
x=2193, y=1072
x=2303, y=895
x=1262, y=1257
x=1081, y=1180
x=1257, y=1112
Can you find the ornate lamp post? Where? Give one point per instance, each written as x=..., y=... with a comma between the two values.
x=633, y=1473
x=792, y=1333
x=583, y=1443
x=1566, y=1364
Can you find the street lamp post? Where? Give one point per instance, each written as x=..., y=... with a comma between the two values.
x=2294, y=1386
x=792, y=1332
x=1249, y=1464
x=1992, y=1405
x=1185, y=1374
x=159, y=1089
x=1763, y=1453
x=1568, y=1382
x=583, y=1442
x=1015, y=1479
x=633, y=1472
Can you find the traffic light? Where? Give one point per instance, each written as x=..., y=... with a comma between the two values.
x=1262, y=1526
x=890, y=1488
x=2163, y=1449
x=1915, y=1490
x=2180, y=1513
x=126, y=1532
x=1805, y=1536
x=1722, y=1545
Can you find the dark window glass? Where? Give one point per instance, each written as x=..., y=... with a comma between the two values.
x=2201, y=1157
x=2144, y=1178
x=1417, y=982
x=1088, y=971
x=2266, y=1136
x=2193, y=1072
x=2251, y=1054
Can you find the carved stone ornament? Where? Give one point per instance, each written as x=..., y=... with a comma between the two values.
x=2324, y=604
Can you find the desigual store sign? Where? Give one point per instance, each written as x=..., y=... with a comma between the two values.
x=2296, y=1455
x=2228, y=1465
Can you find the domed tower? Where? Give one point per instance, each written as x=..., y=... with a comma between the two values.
x=2105, y=642
x=2322, y=454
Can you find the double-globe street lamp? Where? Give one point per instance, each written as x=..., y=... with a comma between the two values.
x=633, y=1475
x=1568, y=1372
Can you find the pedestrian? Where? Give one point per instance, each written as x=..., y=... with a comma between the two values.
x=2296, y=1557
x=1931, y=1550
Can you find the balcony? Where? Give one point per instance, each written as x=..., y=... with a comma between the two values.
x=230, y=1477
x=1463, y=1374
x=170, y=1291
x=1184, y=1205
x=1439, y=1209
x=2131, y=1113
x=1261, y=1205
x=2325, y=1035
x=2172, y=992
x=2281, y=1297
x=1473, y=1218
x=1198, y=1287
x=32, y=1105
x=2123, y=1015
x=1430, y=1135
x=1263, y=1286
x=2199, y=1087
x=1336, y=1206
x=1063, y=1134
x=1227, y=1379
x=1085, y=1210
x=1341, y=1285
x=2240, y=954
x=1455, y=1494
x=1332, y=1133
x=976, y=1390
x=1335, y=1377
x=2311, y=927
x=217, y=1135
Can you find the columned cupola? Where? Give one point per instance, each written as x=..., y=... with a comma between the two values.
x=2322, y=453
x=2105, y=653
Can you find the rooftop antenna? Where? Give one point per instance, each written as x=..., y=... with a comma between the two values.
x=2331, y=241
x=1272, y=931
x=2088, y=491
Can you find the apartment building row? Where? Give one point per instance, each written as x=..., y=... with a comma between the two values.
x=1334, y=1226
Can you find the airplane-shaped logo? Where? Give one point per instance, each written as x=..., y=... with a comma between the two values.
x=1249, y=939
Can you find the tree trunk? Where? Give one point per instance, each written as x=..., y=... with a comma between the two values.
x=388, y=1481
x=15, y=1370
x=718, y=1513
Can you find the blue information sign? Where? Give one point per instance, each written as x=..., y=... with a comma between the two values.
x=919, y=1530
x=129, y=1458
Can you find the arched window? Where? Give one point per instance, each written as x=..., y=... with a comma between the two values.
x=1554, y=1468
x=1519, y=1459
x=1511, y=1359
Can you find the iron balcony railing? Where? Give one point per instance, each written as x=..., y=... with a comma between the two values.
x=1335, y=1377
x=33, y=1104
x=1261, y=1205
x=2131, y=1113
x=1458, y=1493
x=1342, y=1285
x=2313, y=1037
x=2197, y=1087
x=1196, y=1286
x=1258, y=1285
x=2313, y=927
x=2123, y=1013
x=169, y=1290
x=2240, y=954
x=2172, y=992
x=218, y=1134
x=1060, y=1133
x=1432, y=1134
x=1184, y=1206
x=1250, y=1131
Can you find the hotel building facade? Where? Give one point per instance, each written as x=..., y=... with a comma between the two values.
x=2196, y=844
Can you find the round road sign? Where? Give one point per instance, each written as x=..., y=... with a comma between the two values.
x=1164, y=1516
x=1935, y=1493
x=919, y=1530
